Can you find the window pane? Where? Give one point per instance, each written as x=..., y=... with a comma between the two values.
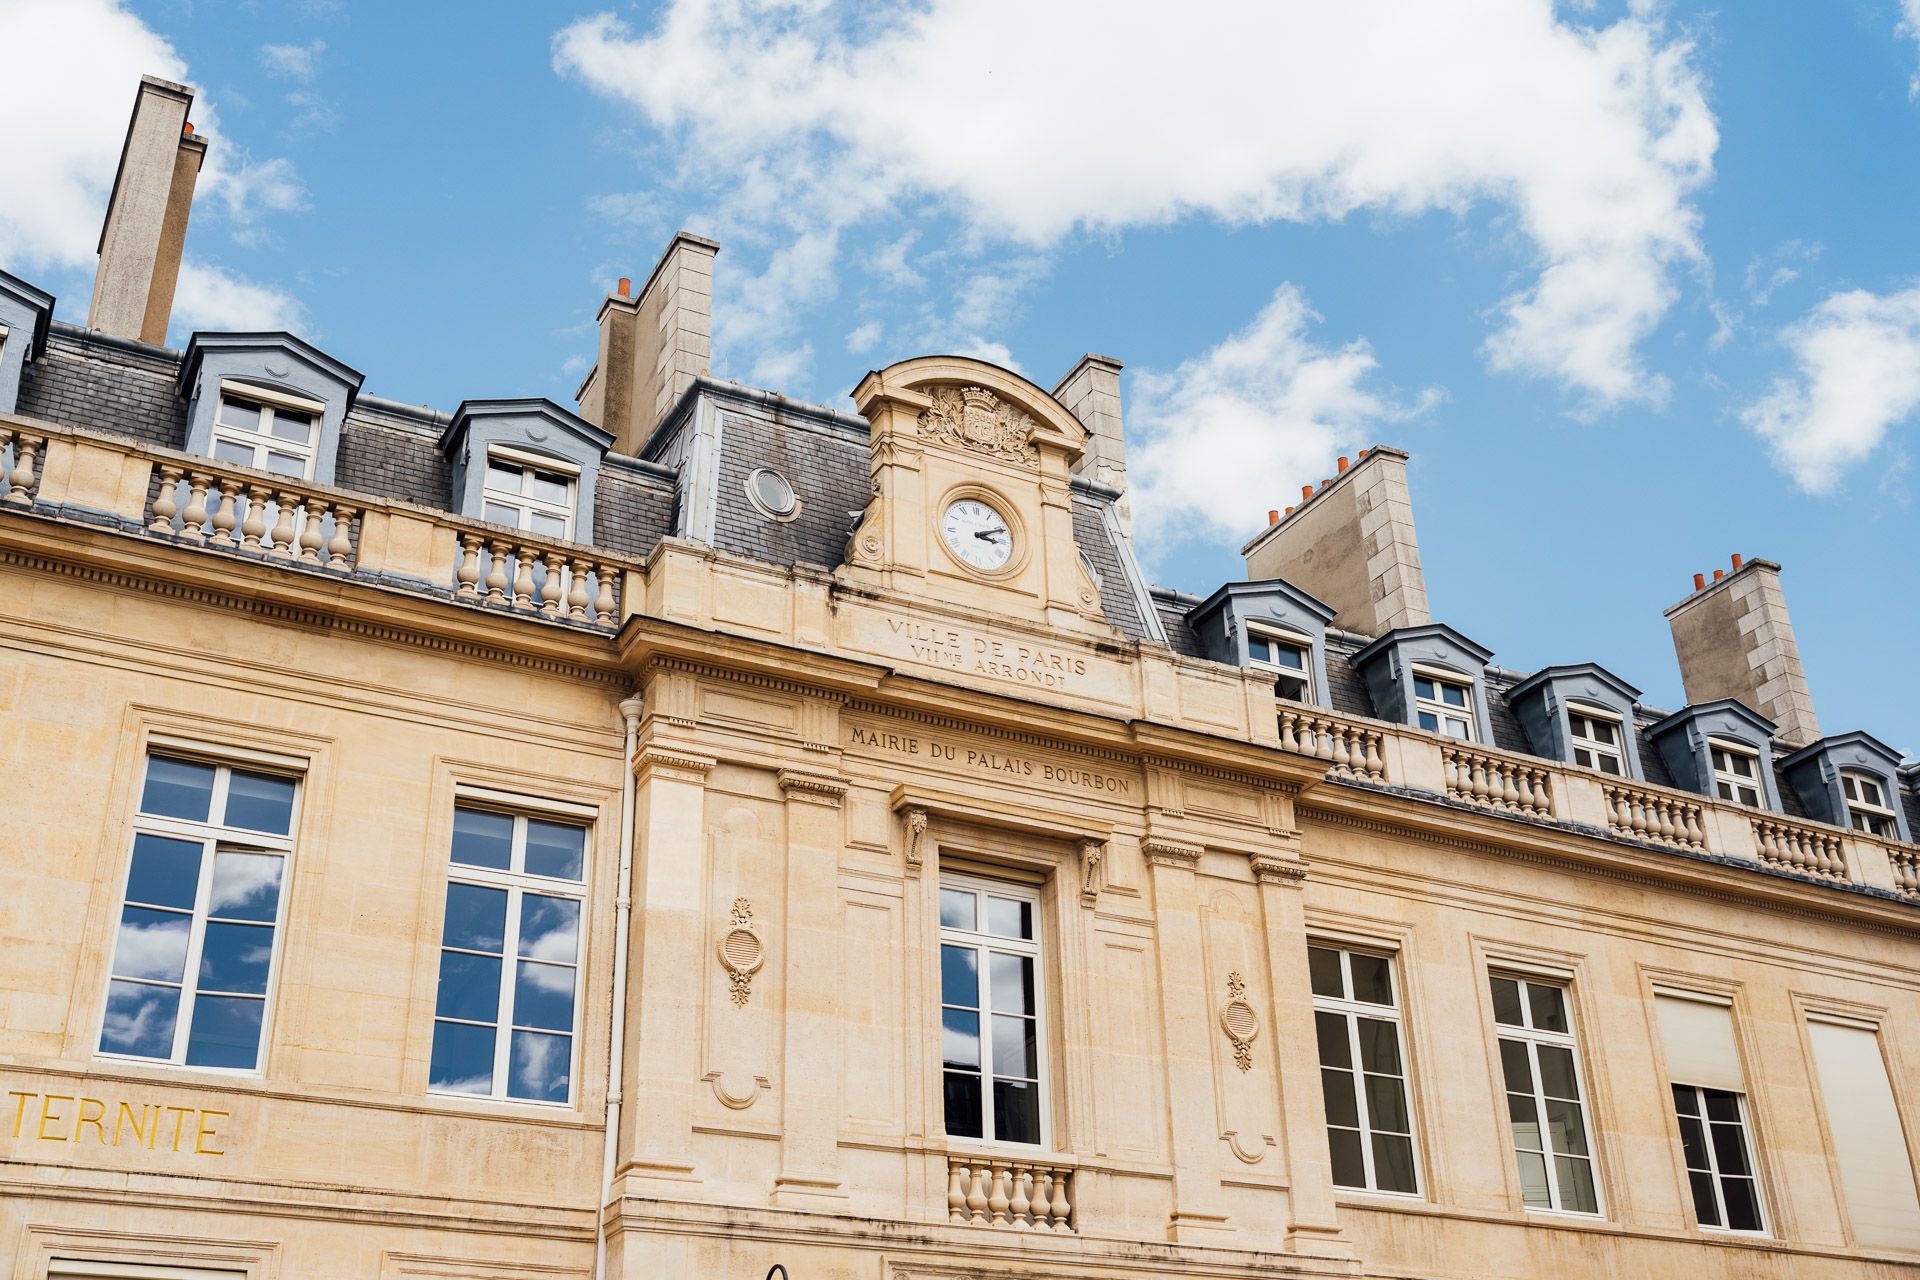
x=1506, y=1002
x=1556, y=1072
x=1349, y=1166
x=505, y=478
x=140, y=1020
x=1730, y=1150
x=291, y=424
x=1331, y=1030
x=543, y=996
x=1533, y=1180
x=1387, y=1104
x=1743, y=1204
x=1705, y=1207
x=1693, y=1143
x=1549, y=1006
x=1009, y=917
x=462, y=1058
x=233, y=452
x=177, y=789
x=962, y=1098
x=960, y=1038
x=286, y=464
x=246, y=886
x=500, y=513
x=476, y=917
x=550, y=928
x=1459, y=729
x=1565, y=1128
x=1526, y=1122
x=957, y=910
x=482, y=839
x=225, y=1032
x=1379, y=1045
x=1336, y=1091
x=1016, y=1111
x=1323, y=965
x=1429, y=721
x=959, y=976
x=1422, y=687
x=549, y=487
x=1576, y=1185
x=1722, y=1106
x=165, y=873
x=152, y=944
x=546, y=524
x=239, y=413
x=1259, y=649
x=1684, y=1100
x=1393, y=1163
x=1011, y=982
x=235, y=957
x=469, y=987
x=539, y=1066
x=1288, y=655
x=259, y=802
x=555, y=849
x=1014, y=1051
x=1453, y=695
x=1372, y=979
x=1516, y=1067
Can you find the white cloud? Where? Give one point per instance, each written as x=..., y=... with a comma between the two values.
x=1595, y=139
x=1233, y=431
x=1859, y=376
x=87, y=56
x=1910, y=26
x=294, y=61
x=1770, y=272
x=311, y=112
x=208, y=297
x=865, y=338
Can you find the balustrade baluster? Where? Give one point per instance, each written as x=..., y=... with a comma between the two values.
x=577, y=591
x=166, y=503
x=604, y=604
x=997, y=1200
x=194, y=519
x=1022, y=1203
x=522, y=576
x=279, y=542
x=468, y=575
x=550, y=588
x=956, y=1194
x=340, y=546
x=496, y=572
x=225, y=513
x=254, y=527
x=26, y=451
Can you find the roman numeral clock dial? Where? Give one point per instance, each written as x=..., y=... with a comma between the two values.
x=977, y=534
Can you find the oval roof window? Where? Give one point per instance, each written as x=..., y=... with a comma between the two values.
x=769, y=491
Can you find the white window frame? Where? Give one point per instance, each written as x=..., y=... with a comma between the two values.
x=517, y=884
x=212, y=838
x=1731, y=781
x=983, y=887
x=1442, y=710
x=1578, y=742
x=1350, y=1010
x=1868, y=817
x=260, y=441
x=525, y=505
x=1713, y=1160
x=1292, y=640
x=1533, y=1038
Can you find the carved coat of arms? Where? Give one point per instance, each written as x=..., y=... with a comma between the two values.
x=975, y=418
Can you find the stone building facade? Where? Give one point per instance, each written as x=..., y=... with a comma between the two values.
x=702, y=831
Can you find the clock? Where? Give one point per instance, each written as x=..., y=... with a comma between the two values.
x=977, y=534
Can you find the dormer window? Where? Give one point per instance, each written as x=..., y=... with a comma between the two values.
x=1868, y=809
x=1736, y=774
x=1443, y=704
x=525, y=492
x=1596, y=738
x=253, y=427
x=1289, y=657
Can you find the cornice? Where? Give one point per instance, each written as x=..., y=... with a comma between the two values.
x=812, y=788
x=670, y=763
x=285, y=614
x=1289, y=872
x=1181, y=855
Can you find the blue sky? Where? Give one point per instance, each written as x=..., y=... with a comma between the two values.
x=1636, y=284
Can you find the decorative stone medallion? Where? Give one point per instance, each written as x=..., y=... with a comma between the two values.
x=1239, y=1021
x=975, y=418
x=741, y=950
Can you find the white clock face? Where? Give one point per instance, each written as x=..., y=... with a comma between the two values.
x=977, y=534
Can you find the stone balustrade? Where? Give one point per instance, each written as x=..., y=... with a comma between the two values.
x=1642, y=814
x=1801, y=847
x=1498, y=782
x=20, y=451
x=230, y=509
x=507, y=570
x=1906, y=870
x=991, y=1191
x=1351, y=748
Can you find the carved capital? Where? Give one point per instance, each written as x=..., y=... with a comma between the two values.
x=1162, y=852
x=812, y=788
x=666, y=764
x=1282, y=871
x=916, y=839
x=1093, y=855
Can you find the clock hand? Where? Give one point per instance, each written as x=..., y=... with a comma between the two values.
x=986, y=535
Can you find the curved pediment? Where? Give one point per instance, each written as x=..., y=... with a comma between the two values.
x=976, y=405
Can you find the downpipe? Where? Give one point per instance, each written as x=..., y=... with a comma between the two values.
x=622, y=923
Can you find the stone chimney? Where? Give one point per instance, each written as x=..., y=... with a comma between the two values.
x=1734, y=640
x=1350, y=542
x=146, y=224
x=1091, y=392
x=652, y=346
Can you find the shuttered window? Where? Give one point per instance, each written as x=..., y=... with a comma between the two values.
x=1710, y=1105
x=1869, y=1144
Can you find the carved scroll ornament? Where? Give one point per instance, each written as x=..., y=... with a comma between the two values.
x=1239, y=1021
x=974, y=418
x=741, y=951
